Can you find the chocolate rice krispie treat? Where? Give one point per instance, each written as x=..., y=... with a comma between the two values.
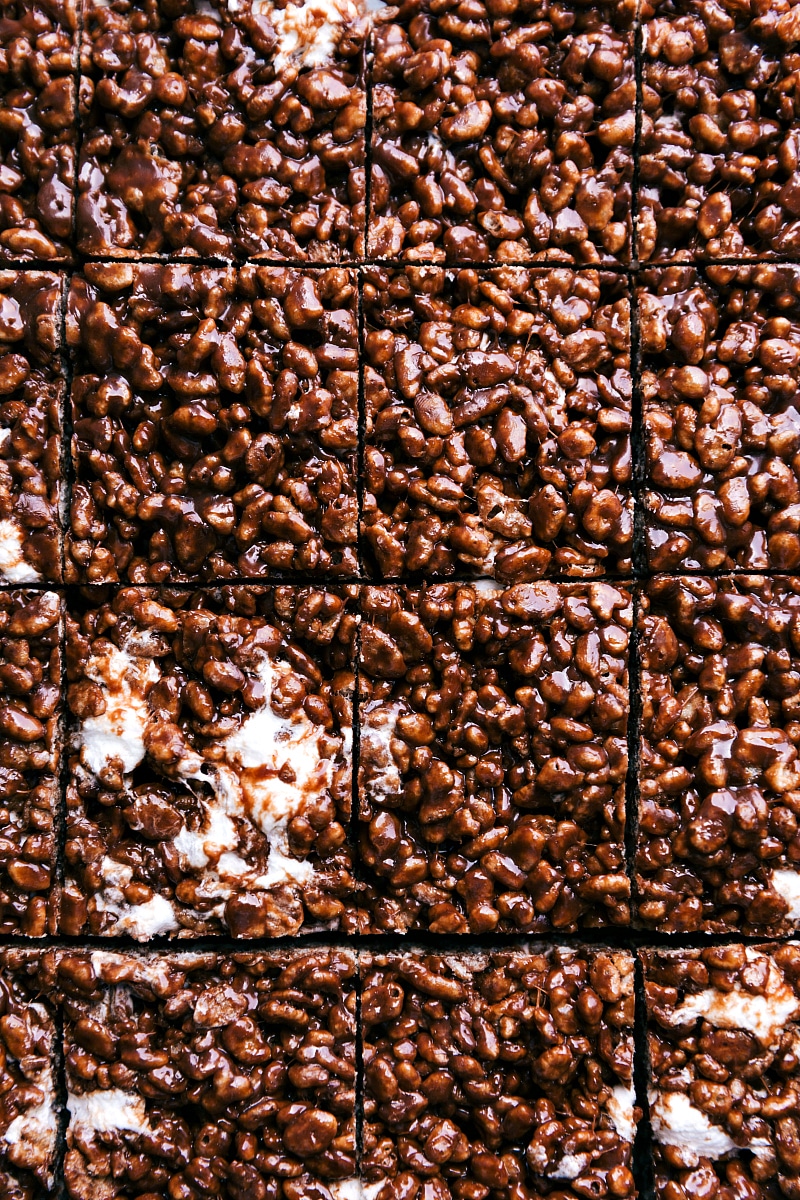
x=214, y=417
x=209, y=1074
x=31, y=712
x=503, y=131
x=493, y=756
x=210, y=762
x=38, y=128
x=719, y=845
x=31, y=399
x=720, y=135
x=725, y=1057
x=498, y=410
x=506, y=1074
x=720, y=358
x=223, y=130
x=29, y=1106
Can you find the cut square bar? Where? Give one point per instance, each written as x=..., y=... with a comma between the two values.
x=718, y=169
x=31, y=716
x=498, y=407
x=32, y=394
x=718, y=843
x=504, y=1074
x=29, y=1103
x=503, y=132
x=493, y=757
x=214, y=422
x=720, y=355
x=38, y=129
x=724, y=1066
x=217, y=130
x=210, y=768
x=205, y=1072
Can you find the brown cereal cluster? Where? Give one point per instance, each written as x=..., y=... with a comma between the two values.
x=235, y=1074
x=505, y=1074
x=28, y=1094
x=30, y=713
x=721, y=352
x=503, y=131
x=31, y=395
x=725, y=1057
x=719, y=164
x=719, y=845
x=38, y=128
x=214, y=422
x=170, y=829
x=493, y=757
x=200, y=140
x=498, y=422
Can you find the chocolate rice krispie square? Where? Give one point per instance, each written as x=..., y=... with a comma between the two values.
x=210, y=762
x=38, y=129
x=498, y=416
x=223, y=130
x=720, y=355
x=503, y=131
x=214, y=417
x=719, y=149
x=31, y=399
x=504, y=1074
x=493, y=757
x=724, y=1048
x=31, y=715
x=718, y=839
x=29, y=1101
x=209, y=1073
